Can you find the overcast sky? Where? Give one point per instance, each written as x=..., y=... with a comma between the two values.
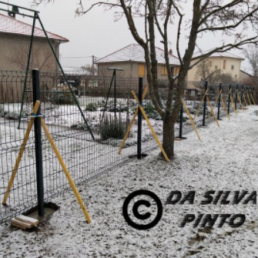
x=97, y=34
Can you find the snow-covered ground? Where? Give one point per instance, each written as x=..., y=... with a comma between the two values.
x=225, y=159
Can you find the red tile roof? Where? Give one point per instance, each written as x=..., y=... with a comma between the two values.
x=11, y=25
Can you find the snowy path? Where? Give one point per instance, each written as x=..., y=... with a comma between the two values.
x=225, y=159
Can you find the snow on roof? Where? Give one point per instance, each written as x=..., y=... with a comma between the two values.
x=75, y=71
x=11, y=25
x=135, y=52
x=224, y=54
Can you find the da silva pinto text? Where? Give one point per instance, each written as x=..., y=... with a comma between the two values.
x=213, y=198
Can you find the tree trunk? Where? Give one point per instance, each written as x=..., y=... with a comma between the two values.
x=168, y=136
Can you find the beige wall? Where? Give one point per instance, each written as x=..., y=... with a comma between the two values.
x=131, y=69
x=14, y=53
x=13, y=57
x=218, y=61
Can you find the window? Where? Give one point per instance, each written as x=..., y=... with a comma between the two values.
x=224, y=64
x=141, y=70
x=232, y=67
x=164, y=70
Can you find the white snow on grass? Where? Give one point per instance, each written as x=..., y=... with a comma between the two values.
x=225, y=159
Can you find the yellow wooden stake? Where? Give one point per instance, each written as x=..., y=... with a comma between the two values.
x=239, y=100
x=59, y=157
x=191, y=119
x=212, y=111
x=151, y=128
x=224, y=106
x=233, y=105
x=215, y=102
x=248, y=98
x=131, y=123
x=251, y=95
x=18, y=160
x=128, y=130
x=198, y=109
x=245, y=100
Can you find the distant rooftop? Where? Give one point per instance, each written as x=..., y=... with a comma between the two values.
x=75, y=71
x=224, y=54
x=135, y=53
x=247, y=72
x=12, y=26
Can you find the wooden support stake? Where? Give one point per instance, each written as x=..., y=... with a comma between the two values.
x=131, y=123
x=151, y=128
x=212, y=111
x=59, y=157
x=215, y=102
x=191, y=119
x=239, y=100
x=245, y=100
x=251, y=95
x=18, y=160
x=198, y=109
x=233, y=105
x=248, y=98
x=224, y=106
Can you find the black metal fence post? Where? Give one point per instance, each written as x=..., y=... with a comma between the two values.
x=242, y=94
x=236, y=97
x=115, y=93
x=139, y=136
x=249, y=93
x=38, y=144
x=204, y=103
x=219, y=100
x=181, y=122
x=229, y=95
x=253, y=94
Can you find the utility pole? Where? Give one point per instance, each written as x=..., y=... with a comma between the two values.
x=93, y=68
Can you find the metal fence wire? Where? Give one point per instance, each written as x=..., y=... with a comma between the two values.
x=88, y=149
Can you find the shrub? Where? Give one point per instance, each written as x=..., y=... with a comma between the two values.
x=62, y=98
x=91, y=107
x=112, y=128
x=151, y=112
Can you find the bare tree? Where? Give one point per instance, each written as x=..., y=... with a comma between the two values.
x=90, y=69
x=41, y=59
x=252, y=56
x=206, y=72
x=231, y=17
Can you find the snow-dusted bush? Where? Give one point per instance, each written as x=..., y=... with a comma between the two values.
x=91, y=107
x=112, y=128
x=62, y=98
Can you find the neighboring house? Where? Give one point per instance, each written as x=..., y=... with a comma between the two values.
x=131, y=60
x=15, y=42
x=245, y=78
x=226, y=62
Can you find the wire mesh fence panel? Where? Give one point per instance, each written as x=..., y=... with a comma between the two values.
x=88, y=120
